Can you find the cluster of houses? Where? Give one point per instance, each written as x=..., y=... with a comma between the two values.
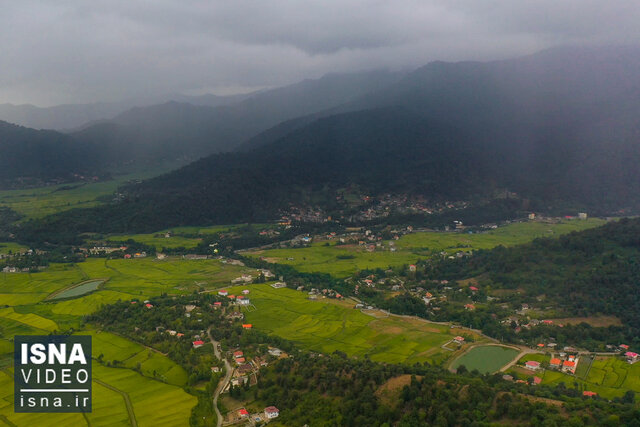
x=314, y=293
x=242, y=300
x=269, y=413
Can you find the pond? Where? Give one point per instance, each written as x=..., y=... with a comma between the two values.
x=486, y=358
x=80, y=289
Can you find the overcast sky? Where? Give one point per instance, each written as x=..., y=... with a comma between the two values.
x=62, y=51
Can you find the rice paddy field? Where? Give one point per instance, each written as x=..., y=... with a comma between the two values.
x=344, y=260
x=156, y=395
x=327, y=325
x=486, y=358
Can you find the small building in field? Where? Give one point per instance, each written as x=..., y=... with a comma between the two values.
x=532, y=364
x=223, y=292
x=271, y=412
x=243, y=413
x=631, y=356
x=198, y=344
x=459, y=339
x=588, y=393
x=247, y=326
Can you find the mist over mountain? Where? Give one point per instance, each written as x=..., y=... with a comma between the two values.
x=71, y=116
x=559, y=127
x=184, y=130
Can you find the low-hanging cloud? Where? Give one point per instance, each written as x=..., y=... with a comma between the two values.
x=83, y=51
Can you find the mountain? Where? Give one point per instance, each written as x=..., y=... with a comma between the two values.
x=184, y=130
x=559, y=128
x=72, y=116
x=34, y=156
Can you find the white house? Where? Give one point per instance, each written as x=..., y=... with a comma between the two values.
x=271, y=412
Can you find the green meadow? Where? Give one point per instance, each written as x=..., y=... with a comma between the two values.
x=486, y=358
x=344, y=260
x=327, y=325
x=42, y=201
x=608, y=376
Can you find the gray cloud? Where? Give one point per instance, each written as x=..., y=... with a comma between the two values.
x=82, y=51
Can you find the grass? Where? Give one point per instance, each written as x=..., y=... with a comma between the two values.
x=486, y=358
x=344, y=260
x=156, y=393
x=43, y=201
x=608, y=376
x=329, y=325
x=11, y=248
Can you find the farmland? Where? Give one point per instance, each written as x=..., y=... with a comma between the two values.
x=328, y=325
x=486, y=358
x=42, y=201
x=608, y=376
x=343, y=260
x=155, y=392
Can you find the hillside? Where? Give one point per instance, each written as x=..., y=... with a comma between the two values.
x=559, y=129
x=33, y=156
x=588, y=273
x=72, y=116
x=187, y=130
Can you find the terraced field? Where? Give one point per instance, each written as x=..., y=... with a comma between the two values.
x=343, y=260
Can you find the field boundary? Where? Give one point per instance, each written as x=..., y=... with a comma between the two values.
x=127, y=401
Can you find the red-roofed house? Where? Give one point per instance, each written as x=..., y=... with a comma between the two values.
x=473, y=289
x=624, y=346
x=412, y=267
x=240, y=360
x=223, y=292
x=548, y=322
x=631, y=356
x=459, y=339
x=243, y=413
x=231, y=296
x=569, y=366
x=198, y=344
x=148, y=305
x=238, y=353
x=179, y=334
x=469, y=307
x=134, y=302
x=540, y=345
x=271, y=412
x=532, y=364
x=589, y=393
x=247, y=326
x=555, y=362
x=537, y=380
x=217, y=304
